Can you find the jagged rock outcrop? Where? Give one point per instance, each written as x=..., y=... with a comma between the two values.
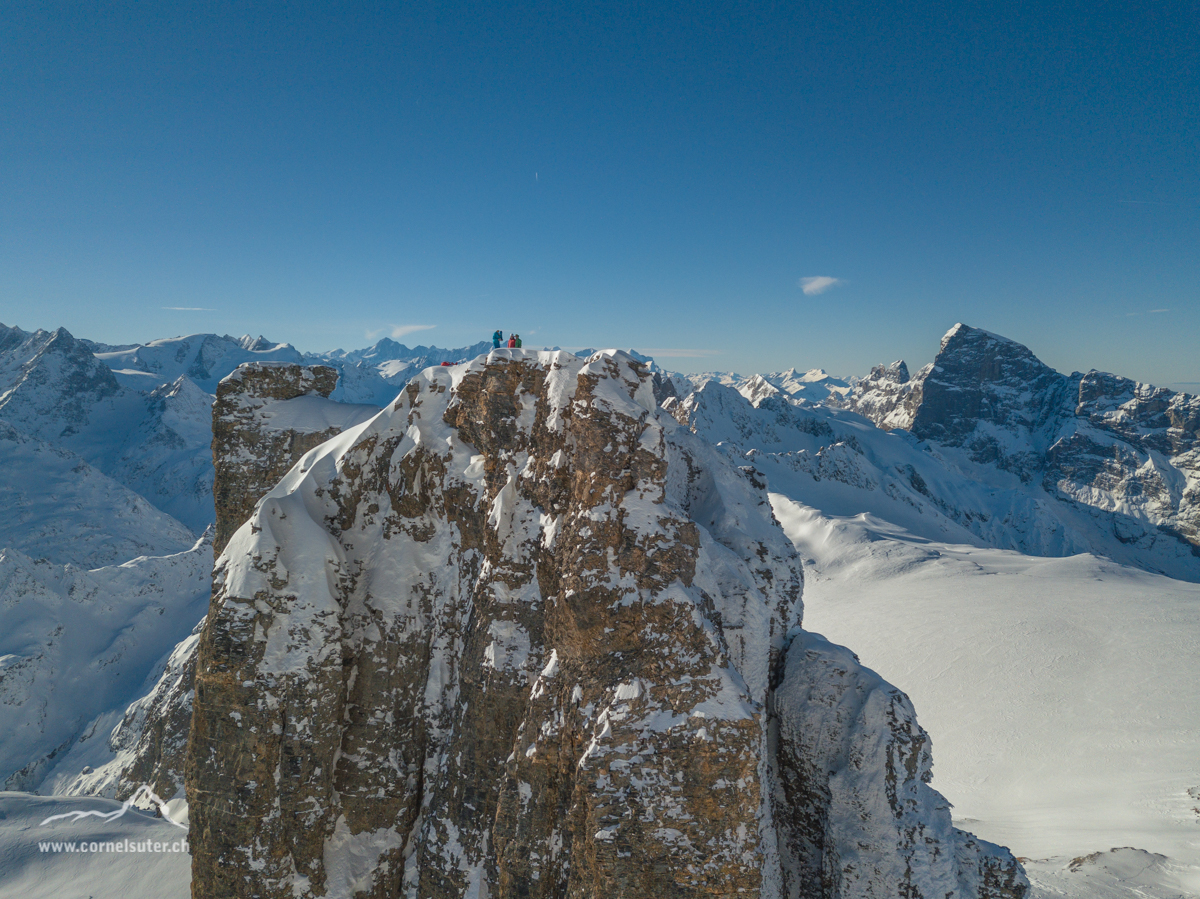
x=855, y=767
x=150, y=742
x=266, y=416
x=887, y=396
x=1122, y=450
x=991, y=396
x=523, y=635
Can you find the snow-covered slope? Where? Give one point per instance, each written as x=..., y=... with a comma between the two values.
x=815, y=385
x=36, y=861
x=77, y=644
x=843, y=464
x=142, y=413
x=373, y=375
x=155, y=443
x=1059, y=692
x=1126, y=453
x=57, y=507
x=203, y=358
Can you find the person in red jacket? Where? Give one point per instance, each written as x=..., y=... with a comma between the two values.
x=512, y=341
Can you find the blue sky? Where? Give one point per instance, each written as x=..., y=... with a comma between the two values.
x=632, y=174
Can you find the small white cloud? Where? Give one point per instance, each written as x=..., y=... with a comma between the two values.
x=818, y=284
x=1156, y=311
x=188, y=309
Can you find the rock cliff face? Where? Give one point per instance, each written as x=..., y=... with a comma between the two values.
x=522, y=634
x=266, y=416
x=887, y=396
x=1122, y=450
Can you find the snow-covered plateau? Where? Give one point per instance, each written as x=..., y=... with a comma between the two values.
x=1016, y=549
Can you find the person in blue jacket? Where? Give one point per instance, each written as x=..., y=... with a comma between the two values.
x=496, y=338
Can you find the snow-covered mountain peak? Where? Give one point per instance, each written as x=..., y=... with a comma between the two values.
x=205, y=358
x=49, y=380
x=966, y=332
x=258, y=344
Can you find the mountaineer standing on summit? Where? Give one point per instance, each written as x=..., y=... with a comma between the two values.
x=496, y=338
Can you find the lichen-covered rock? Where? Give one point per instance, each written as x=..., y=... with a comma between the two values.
x=516, y=636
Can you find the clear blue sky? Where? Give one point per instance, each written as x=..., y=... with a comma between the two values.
x=660, y=175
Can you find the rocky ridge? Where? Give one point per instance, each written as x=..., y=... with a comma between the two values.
x=523, y=635
x=1127, y=453
x=153, y=442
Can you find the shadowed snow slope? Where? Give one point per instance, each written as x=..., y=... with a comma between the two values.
x=77, y=644
x=28, y=872
x=57, y=507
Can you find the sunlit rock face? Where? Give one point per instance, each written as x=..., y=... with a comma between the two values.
x=522, y=634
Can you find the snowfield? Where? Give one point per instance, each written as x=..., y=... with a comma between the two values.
x=1060, y=693
x=28, y=872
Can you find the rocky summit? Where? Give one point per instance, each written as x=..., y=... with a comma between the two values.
x=1125, y=453
x=521, y=634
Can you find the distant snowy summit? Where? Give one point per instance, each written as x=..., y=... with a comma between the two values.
x=813, y=386
x=371, y=375
x=1114, y=445
x=141, y=414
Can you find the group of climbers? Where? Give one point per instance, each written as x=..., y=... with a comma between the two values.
x=514, y=340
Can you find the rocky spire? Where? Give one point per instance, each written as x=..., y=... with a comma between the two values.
x=523, y=635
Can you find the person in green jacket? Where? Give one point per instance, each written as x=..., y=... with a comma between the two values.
x=518, y=341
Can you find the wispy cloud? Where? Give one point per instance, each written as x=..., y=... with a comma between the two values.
x=1147, y=312
x=397, y=331
x=818, y=284
x=188, y=309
